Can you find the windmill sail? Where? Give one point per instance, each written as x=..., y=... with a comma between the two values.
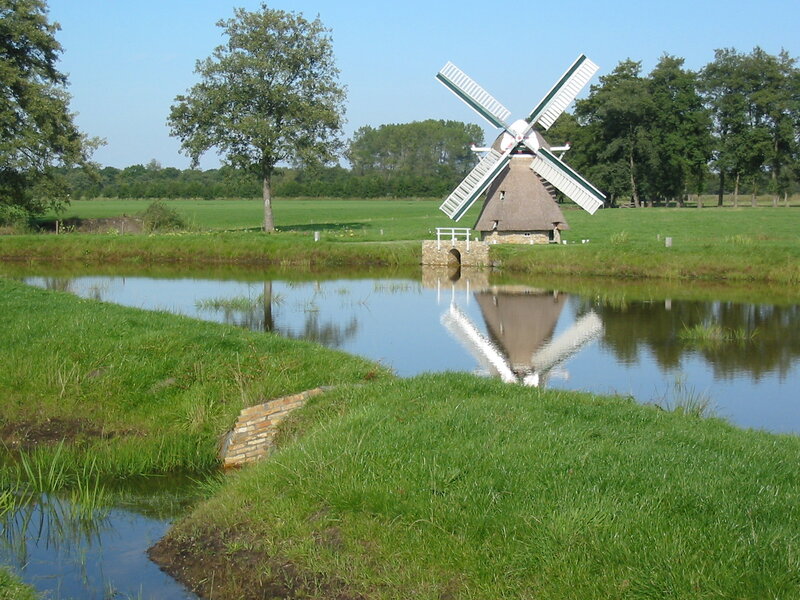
x=568, y=344
x=481, y=348
x=567, y=181
x=473, y=185
x=474, y=95
x=563, y=92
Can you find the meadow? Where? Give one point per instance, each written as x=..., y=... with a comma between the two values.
x=438, y=486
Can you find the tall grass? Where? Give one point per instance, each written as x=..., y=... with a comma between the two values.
x=11, y=588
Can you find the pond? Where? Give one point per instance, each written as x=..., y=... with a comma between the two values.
x=69, y=551
x=737, y=360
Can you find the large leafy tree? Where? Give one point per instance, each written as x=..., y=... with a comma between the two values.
x=37, y=133
x=755, y=102
x=680, y=128
x=618, y=116
x=267, y=96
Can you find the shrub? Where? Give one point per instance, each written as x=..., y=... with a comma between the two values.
x=14, y=216
x=160, y=217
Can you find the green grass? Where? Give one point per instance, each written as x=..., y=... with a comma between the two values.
x=399, y=219
x=714, y=244
x=134, y=392
x=462, y=487
x=11, y=588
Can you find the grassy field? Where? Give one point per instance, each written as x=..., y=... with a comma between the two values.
x=416, y=219
x=437, y=486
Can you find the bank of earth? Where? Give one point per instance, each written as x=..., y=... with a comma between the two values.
x=438, y=486
x=724, y=259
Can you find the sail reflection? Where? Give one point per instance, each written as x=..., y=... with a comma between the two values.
x=520, y=345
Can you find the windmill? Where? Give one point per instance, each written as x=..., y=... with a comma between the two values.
x=504, y=167
x=520, y=346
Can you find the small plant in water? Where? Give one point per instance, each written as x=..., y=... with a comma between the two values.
x=713, y=334
x=683, y=399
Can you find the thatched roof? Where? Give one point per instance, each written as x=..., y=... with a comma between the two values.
x=519, y=200
x=520, y=324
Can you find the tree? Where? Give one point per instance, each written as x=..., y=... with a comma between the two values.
x=267, y=96
x=422, y=148
x=755, y=102
x=37, y=134
x=680, y=128
x=618, y=115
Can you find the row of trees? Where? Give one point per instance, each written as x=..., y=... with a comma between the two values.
x=656, y=138
x=269, y=96
x=423, y=159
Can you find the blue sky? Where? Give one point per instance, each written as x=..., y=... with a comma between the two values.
x=127, y=60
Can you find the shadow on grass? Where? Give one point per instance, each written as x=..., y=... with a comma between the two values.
x=310, y=227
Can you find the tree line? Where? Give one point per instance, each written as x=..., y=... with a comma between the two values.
x=658, y=138
x=270, y=103
x=732, y=128
x=421, y=159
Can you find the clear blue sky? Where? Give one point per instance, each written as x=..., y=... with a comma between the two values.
x=127, y=60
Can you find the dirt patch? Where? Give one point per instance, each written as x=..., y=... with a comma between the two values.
x=123, y=224
x=227, y=566
x=26, y=435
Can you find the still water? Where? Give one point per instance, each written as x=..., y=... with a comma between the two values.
x=68, y=552
x=521, y=334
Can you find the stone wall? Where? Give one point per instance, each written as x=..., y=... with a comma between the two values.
x=252, y=437
x=519, y=237
x=450, y=252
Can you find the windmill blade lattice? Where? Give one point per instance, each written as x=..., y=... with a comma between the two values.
x=546, y=165
x=473, y=95
x=563, y=92
x=474, y=184
x=567, y=181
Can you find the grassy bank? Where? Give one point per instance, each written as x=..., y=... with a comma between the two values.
x=12, y=589
x=96, y=388
x=206, y=248
x=460, y=487
x=746, y=244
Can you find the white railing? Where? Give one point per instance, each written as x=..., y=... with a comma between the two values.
x=453, y=234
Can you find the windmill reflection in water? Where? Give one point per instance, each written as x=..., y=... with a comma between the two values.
x=520, y=346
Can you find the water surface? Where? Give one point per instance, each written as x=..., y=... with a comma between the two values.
x=523, y=334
